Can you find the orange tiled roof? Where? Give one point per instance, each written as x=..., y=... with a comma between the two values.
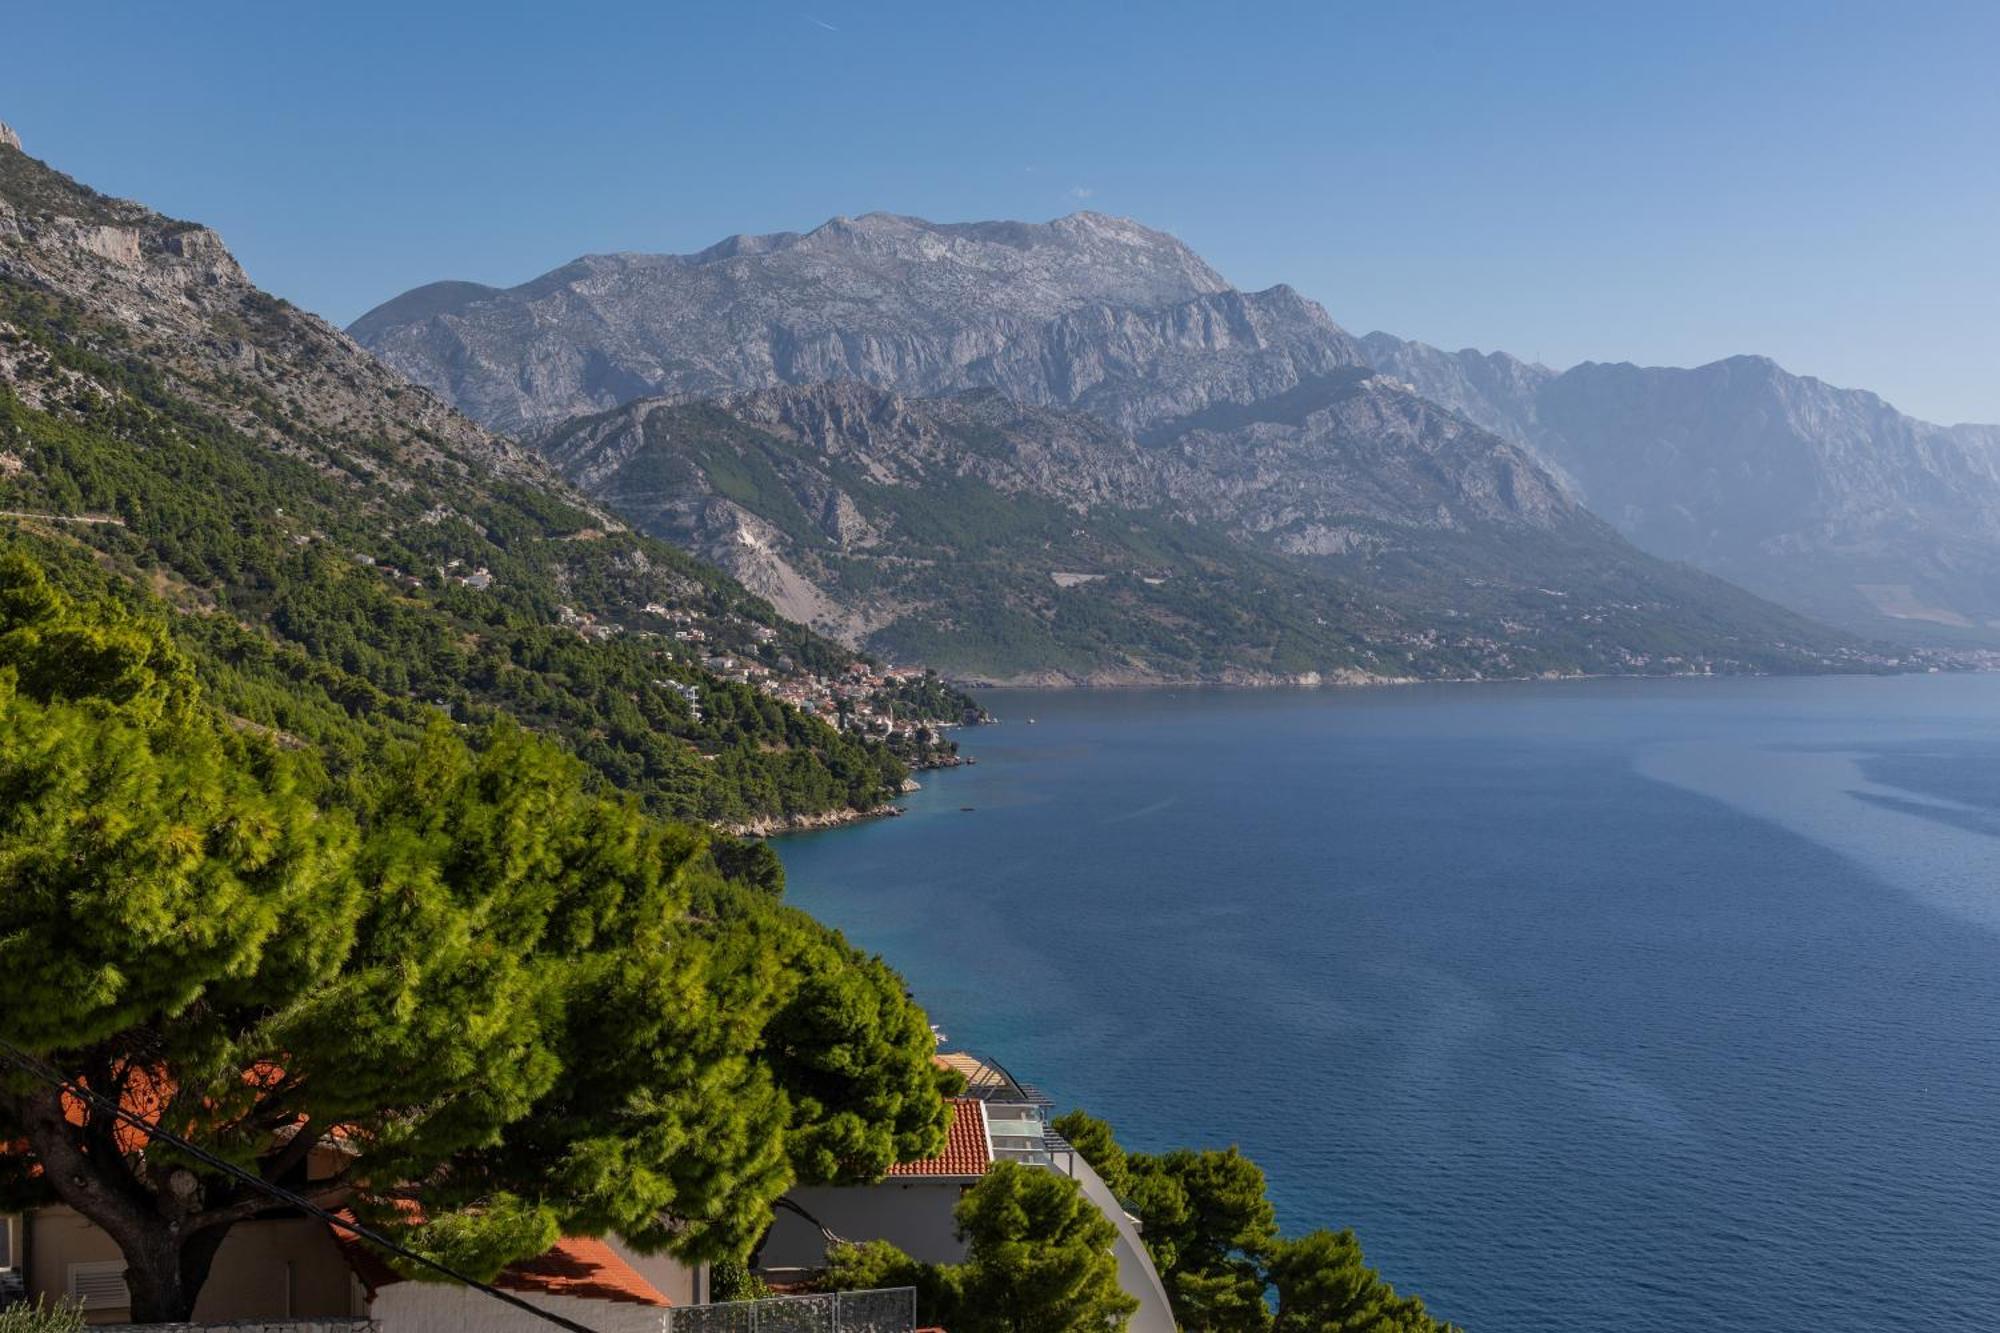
x=577, y=1266
x=145, y=1094
x=584, y=1268
x=966, y=1152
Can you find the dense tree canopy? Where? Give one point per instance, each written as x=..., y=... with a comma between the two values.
x=1038, y=1256
x=1213, y=1236
x=1325, y=1286
x=347, y=577
x=1038, y=1260
x=452, y=960
x=1211, y=1228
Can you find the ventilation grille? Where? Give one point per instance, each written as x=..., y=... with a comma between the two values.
x=100, y=1286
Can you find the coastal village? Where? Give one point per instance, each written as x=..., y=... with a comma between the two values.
x=877, y=701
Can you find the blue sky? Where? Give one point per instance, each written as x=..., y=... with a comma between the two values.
x=1664, y=183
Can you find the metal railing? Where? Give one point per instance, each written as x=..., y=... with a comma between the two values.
x=887, y=1310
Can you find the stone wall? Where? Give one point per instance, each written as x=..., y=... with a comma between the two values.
x=354, y=1325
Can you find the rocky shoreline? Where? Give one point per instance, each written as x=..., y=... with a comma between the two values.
x=771, y=826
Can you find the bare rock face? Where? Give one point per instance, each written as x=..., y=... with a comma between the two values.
x=190, y=309
x=1346, y=529
x=8, y=138
x=1086, y=311
x=1489, y=389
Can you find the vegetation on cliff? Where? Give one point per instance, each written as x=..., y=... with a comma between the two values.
x=1347, y=533
x=1038, y=1257
x=1214, y=1238
x=442, y=956
x=348, y=546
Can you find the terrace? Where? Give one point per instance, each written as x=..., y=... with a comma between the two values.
x=1016, y=1114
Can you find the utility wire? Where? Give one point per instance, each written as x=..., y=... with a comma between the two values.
x=40, y=1069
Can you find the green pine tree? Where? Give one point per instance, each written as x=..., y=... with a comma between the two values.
x=1325, y=1286
x=455, y=963
x=1038, y=1257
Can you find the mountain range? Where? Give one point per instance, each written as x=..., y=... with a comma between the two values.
x=1087, y=311
x=1827, y=500
x=1063, y=451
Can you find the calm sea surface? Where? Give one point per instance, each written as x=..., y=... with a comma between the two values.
x=1593, y=1006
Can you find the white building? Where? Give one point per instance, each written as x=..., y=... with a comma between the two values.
x=996, y=1119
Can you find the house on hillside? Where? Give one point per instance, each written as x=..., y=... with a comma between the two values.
x=997, y=1118
x=289, y=1266
x=283, y=1273
x=285, y=1264
x=288, y=1270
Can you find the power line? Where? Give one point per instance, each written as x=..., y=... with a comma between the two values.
x=40, y=1069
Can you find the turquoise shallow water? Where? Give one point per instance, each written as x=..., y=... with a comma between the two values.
x=1593, y=1006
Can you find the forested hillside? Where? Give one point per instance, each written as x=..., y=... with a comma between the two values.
x=525, y=1007
x=342, y=545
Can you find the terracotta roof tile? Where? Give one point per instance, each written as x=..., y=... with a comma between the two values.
x=582, y=1267
x=145, y=1093
x=577, y=1266
x=966, y=1152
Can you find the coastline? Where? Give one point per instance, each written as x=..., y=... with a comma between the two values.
x=772, y=826
x=1058, y=682
x=778, y=825
x=1391, y=1010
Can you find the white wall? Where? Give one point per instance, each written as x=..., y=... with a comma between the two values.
x=913, y=1215
x=266, y=1269
x=288, y=1267
x=59, y=1237
x=680, y=1283
x=1136, y=1273
x=434, y=1307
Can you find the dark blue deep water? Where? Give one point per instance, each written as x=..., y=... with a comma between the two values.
x=1592, y=1006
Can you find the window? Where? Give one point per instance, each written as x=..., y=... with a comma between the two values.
x=100, y=1285
x=8, y=1223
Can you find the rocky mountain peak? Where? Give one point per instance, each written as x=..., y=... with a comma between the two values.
x=8, y=138
x=1086, y=311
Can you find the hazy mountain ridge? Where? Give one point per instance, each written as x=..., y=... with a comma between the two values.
x=1346, y=531
x=1248, y=425
x=1490, y=389
x=1826, y=499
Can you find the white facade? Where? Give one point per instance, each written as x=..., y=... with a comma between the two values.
x=432, y=1307
x=913, y=1215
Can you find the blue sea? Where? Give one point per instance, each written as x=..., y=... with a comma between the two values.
x=1591, y=1006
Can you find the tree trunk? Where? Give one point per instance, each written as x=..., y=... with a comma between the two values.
x=166, y=1262
x=165, y=1271
x=160, y=1292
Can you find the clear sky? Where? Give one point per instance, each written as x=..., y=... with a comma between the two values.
x=1664, y=183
